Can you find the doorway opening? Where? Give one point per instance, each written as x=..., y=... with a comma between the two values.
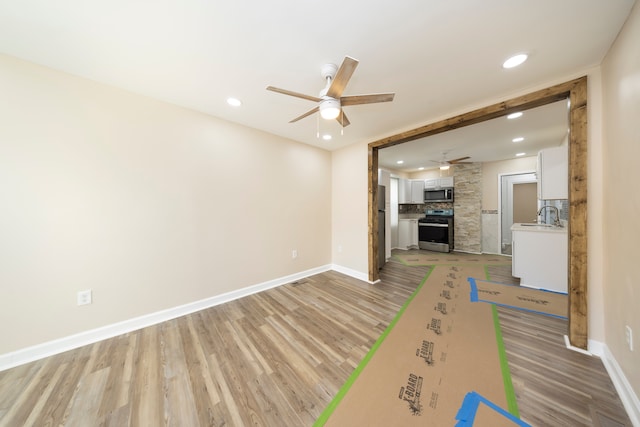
x=518, y=203
x=574, y=90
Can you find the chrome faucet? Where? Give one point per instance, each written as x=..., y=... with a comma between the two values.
x=557, y=222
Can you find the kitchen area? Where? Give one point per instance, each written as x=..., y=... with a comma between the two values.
x=446, y=210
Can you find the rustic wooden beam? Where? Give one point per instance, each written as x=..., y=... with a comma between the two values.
x=373, y=215
x=578, y=301
x=576, y=92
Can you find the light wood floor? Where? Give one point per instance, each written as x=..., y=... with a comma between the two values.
x=277, y=359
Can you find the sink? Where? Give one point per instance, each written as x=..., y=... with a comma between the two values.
x=535, y=224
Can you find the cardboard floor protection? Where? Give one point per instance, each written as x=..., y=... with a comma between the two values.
x=450, y=258
x=440, y=347
x=546, y=302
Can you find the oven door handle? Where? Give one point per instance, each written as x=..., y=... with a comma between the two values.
x=428, y=224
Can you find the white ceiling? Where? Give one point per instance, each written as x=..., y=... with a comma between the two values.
x=437, y=56
x=541, y=127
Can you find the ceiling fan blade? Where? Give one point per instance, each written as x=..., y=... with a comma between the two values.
x=367, y=99
x=342, y=119
x=342, y=77
x=296, y=94
x=308, y=113
x=454, y=161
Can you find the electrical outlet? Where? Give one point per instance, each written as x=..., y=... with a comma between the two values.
x=629, y=335
x=294, y=254
x=84, y=297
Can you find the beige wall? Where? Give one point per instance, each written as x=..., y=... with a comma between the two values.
x=349, y=209
x=621, y=154
x=491, y=172
x=148, y=204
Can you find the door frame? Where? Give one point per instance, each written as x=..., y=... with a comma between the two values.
x=576, y=92
x=500, y=200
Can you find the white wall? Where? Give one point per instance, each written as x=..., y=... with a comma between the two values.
x=149, y=205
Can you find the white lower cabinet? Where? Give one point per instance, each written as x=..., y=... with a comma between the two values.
x=540, y=257
x=407, y=233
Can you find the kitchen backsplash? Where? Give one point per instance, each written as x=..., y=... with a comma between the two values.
x=420, y=209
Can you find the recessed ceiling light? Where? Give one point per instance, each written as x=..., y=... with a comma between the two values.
x=518, y=139
x=400, y=162
x=515, y=115
x=515, y=60
x=326, y=137
x=520, y=154
x=421, y=169
x=234, y=102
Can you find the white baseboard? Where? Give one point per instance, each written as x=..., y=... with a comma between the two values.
x=40, y=351
x=596, y=348
x=625, y=391
x=350, y=272
x=567, y=343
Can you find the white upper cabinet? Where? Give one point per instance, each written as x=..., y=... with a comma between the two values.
x=417, y=191
x=553, y=173
x=404, y=191
x=431, y=184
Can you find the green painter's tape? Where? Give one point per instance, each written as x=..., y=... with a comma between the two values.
x=506, y=375
x=504, y=366
x=322, y=419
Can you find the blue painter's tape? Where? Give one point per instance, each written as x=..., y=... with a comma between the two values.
x=474, y=289
x=557, y=316
x=467, y=413
x=474, y=298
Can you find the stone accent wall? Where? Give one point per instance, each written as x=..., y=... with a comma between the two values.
x=467, y=208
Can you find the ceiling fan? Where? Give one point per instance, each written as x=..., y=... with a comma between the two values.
x=444, y=163
x=330, y=100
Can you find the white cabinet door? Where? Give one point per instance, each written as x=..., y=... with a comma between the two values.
x=553, y=173
x=404, y=191
x=417, y=191
x=404, y=233
x=446, y=182
x=435, y=183
x=413, y=233
x=430, y=184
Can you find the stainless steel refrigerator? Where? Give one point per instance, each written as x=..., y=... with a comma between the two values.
x=381, y=227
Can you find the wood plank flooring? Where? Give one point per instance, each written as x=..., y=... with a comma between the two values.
x=277, y=359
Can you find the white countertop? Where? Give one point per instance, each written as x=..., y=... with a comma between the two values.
x=537, y=228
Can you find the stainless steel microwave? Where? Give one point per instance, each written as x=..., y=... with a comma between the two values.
x=438, y=195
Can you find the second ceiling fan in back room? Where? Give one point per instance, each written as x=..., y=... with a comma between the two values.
x=330, y=100
x=444, y=163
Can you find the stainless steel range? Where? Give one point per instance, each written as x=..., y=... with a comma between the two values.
x=435, y=230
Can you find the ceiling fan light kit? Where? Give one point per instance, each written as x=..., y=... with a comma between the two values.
x=330, y=102
x=329, y=108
